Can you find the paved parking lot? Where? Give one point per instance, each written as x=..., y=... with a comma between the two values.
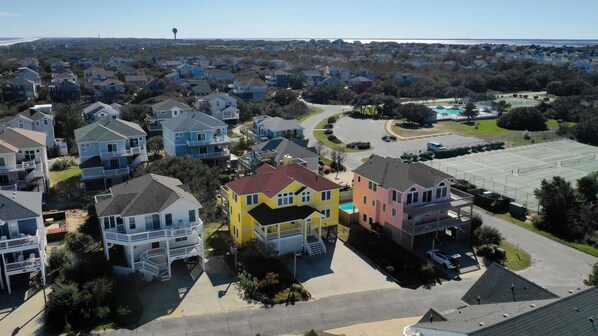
x=339, y=271
x=469, y=264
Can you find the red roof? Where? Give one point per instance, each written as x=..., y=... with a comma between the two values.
x=271, y=181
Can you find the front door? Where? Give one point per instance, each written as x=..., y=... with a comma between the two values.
x=14, y=230
x=156, y=220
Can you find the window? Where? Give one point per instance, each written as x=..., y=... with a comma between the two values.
x=383, y=207
x=252, y=199
x=132, y=223
x=45, y=121
x=372, y=186
x=239, y=217
x=192, y=216
x=285, y=198
x=306, y=196
x=168, y=219
x=365, y=200
x=358, y=178
x=2, y=161
x=178, y=137
x=393, y=212
x=365, y=217
x=326, y=195
x=235, y=196
x=441, y=190
x=201, y=136
x=374, y=203
x=396, y=196
x=20, y=123
x=427, y=196
x=112, y=147
x=180, y=239
x=326, y=213
x=412, y=196
x=84, y=146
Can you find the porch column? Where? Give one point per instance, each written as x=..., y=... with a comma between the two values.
x=168, y=256
x=106, y=252
x=6, y=274
x=2, y=281
x=202, y=254
x=278, y=229
x=42, y=257
x=131, y=257
x=320, y=229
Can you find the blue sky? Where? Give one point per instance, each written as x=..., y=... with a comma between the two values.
x=547, y=19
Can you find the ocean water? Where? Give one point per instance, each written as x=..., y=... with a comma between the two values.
x=515, y=42
x=5, y=41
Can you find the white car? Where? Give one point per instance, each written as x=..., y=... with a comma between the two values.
x=447, y=260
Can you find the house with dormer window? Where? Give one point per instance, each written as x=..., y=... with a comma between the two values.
x=409, y=200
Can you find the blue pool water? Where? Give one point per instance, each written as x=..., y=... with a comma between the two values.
x=348, y=207
x=451, y=111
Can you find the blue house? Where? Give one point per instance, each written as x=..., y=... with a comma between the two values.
x=197, y=135
x=279, y=78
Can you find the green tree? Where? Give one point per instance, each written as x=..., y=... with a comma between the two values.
x=416, y=113
x=486, y=235
x=560, y=205
x=69, y=118
x=362, y=100
x=523, y=118
x=155, y=144
x=587, y=131
x=78, y=242
x=587, y=187
x=470, y=112
x=593, y=278
x=502, y=106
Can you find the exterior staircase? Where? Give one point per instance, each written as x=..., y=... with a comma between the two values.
x=150, y=268
x=315, y=246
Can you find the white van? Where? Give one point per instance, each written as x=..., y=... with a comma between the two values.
x=435, y=146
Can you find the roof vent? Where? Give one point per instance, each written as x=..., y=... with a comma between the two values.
x=505, y=315
x=481, y=324
x=576, y=309
x=532, y=305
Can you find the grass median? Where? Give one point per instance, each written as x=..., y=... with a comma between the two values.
x=312, y=112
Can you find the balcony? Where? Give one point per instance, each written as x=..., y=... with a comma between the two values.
x=230, y=116
x=262, y=234
x=18, y=167
x=212, y=155
x=217, y=140
x=100, y=172
x=457, y=201
x=153, y=235
x=21, y=243
x=452, y=220
x=29, y=265
x=122, y=153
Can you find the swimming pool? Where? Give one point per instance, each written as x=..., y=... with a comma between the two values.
x=348, y=207
x=451, y=111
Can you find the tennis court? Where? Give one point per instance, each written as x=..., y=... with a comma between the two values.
x=516, y=172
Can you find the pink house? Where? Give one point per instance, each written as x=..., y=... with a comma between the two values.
x=409, y=201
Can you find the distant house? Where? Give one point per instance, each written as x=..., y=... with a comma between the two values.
x=190, y=71
x=58, y=77
x=100, y=111
x=266, y=127
x=312, y=77
x=279, y=151
x=22, y=235
x=23, y=160
x=196, y=135
x=218, y=75
x=137, y=80
x=94, y=75
x=251, y=90
x=109, y=90
x=582, y=66
x=33, y=120
x=360, y=84
x=65, y=90
x=27, y=73
x=31, y=63
x=170, y=64
x=200, y=87
x=279, y=78
x=18, y=89
x=404, y=79
x=330, y=81
x=220, y=106
x=57, y=65
x=173, y=77
x=164, y=110
x=157, y=86
x=109, y=150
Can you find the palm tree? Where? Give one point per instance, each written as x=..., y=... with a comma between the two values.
x=174, y=31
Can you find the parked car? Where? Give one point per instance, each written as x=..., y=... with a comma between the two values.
x=447, y=260
x=389, y=138
x=435, y=146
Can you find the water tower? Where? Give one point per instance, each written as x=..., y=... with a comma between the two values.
x=174, y=31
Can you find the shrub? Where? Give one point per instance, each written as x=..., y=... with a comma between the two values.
x=332, y=138
x=328, y=131
x=486, y=235
x=332, y=120
x=62, y=164
x=523, y=118
x=476, y=222
x=61, y=257
x=491, y=252
x=329, y=126
x=78, y=242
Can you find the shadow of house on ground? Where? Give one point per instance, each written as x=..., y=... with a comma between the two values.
x=67, y=194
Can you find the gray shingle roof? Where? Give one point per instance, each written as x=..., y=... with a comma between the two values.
x=194, y=121
x=280, y=124
x=494, y=286
x=98, y=106
x=169, y=104
x=147, y=194
x=15, y=205
x=108, y=130
x=22, y=138
x=393, y=173
x=284, y=147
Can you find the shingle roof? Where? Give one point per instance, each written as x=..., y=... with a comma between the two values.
x=98, y=106
x=6, y=148
x=280, y=124
x=268, y=216
x=22, y=138
x=108, y=82
x=18, y=81
x=169, y=104
x=15, y=205
x=393, y=173
x=270, y=181
x=107, y=130
x=494, y=286
x=284, y=147
x=250, y=82
x=149, y=193
x=194, y=121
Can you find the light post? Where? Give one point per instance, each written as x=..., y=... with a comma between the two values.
x=295, y=255
x=233, y=250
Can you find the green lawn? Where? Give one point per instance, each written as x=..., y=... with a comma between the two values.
x=62, y=176
x=324, y=121
x=320, y=136
x=312, y=112
x=517, y=259
x=578, y=246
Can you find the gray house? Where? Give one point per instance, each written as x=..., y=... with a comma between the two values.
x=279, y=151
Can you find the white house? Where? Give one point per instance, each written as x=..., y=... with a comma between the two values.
x=164, y=110
x=22, y=235
x=34, y=120
x=100, y=111
x=23, y=160
x=155, y=221
x=220, y=105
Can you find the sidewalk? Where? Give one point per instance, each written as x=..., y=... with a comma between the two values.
x=26, y=319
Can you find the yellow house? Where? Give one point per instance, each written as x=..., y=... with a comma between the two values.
x=289, y=208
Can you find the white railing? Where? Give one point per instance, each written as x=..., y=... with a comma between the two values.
x=216, y=140
x=147, y=267
x=186, y=250
x=230, y=115
x=19, y=242
x=34, y=175
x=274, y=235
x=100, y=172
x=9, y=187
x=152, y=235
x=140, y=159
x=211, y=155
x=18, y=167
x=116, y=172
x=156, y=252
x=127, y=152
x=20, y=266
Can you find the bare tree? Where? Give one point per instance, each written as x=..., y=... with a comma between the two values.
x=339, y=158
x=320, y=148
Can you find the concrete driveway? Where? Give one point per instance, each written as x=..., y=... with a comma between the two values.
x=339, y=271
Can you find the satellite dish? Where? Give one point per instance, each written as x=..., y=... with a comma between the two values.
x=174, y=31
